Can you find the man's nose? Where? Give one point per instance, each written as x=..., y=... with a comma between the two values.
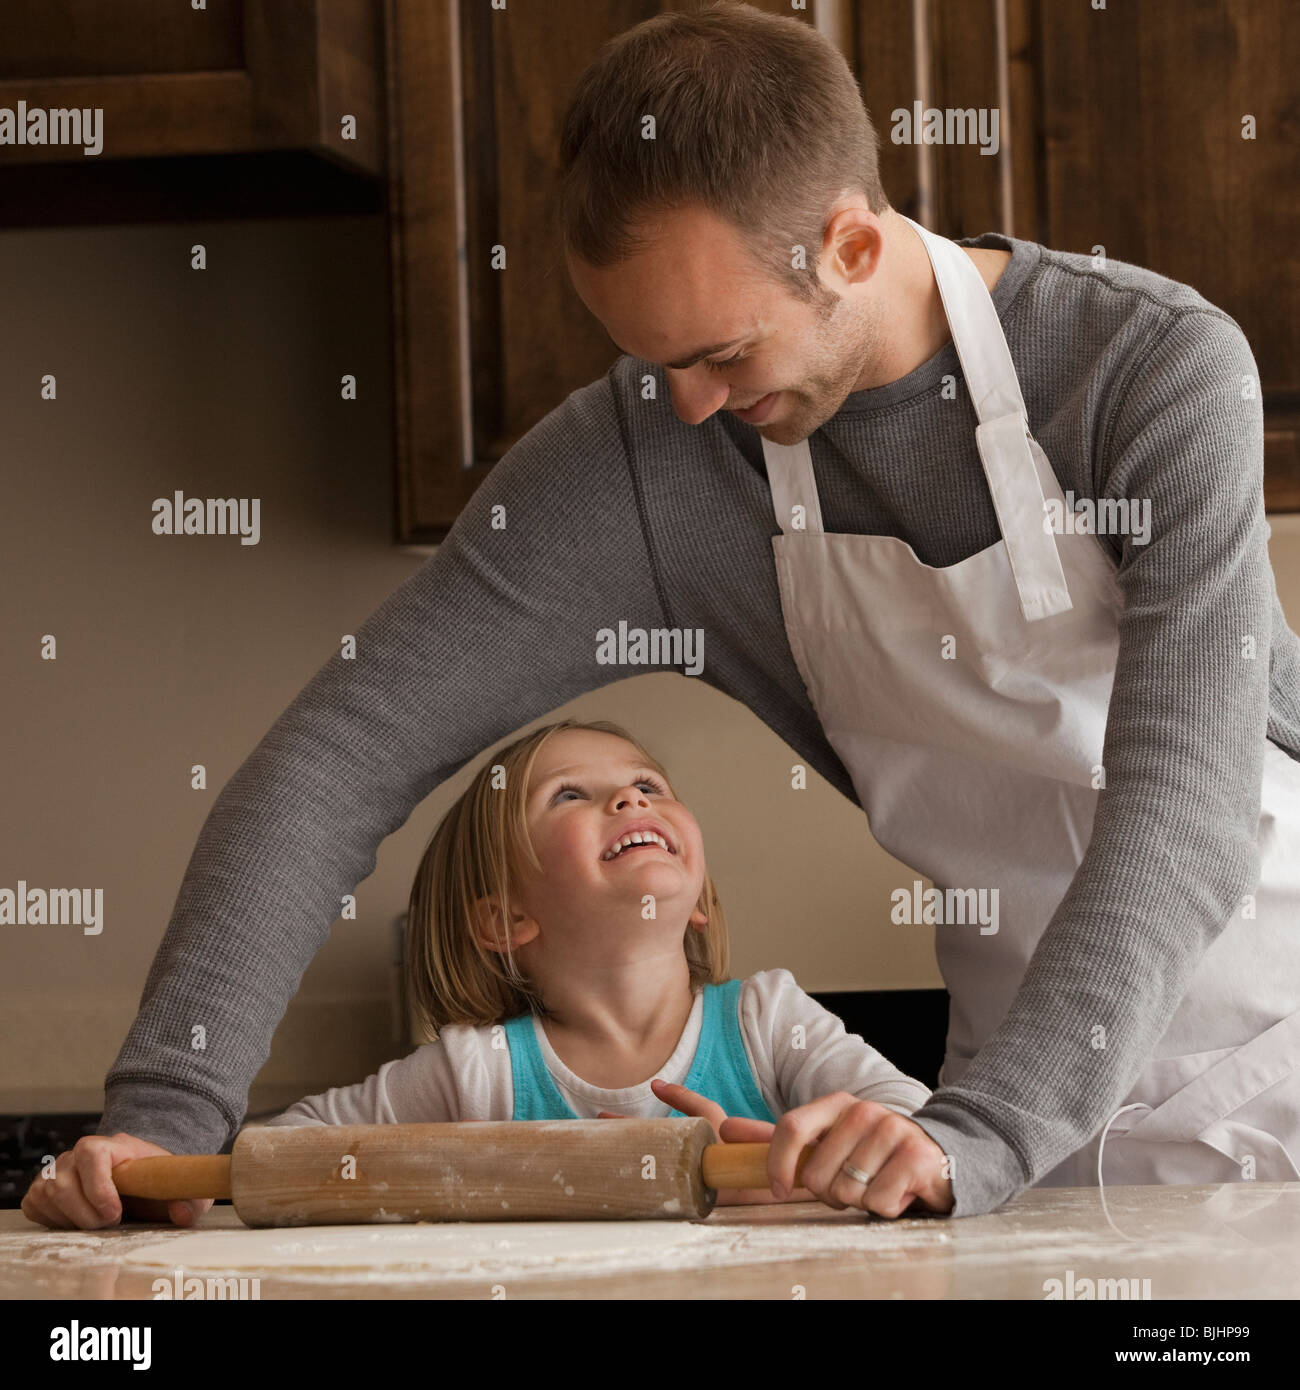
x=695, y=397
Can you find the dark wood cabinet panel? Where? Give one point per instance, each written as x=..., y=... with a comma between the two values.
x=530, y=335
x=1144, y=112
x=237, y=77
x=1120, y=129
x=435, y=464
x=54, y=39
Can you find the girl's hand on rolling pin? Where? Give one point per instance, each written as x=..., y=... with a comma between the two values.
x=754, y=1131
x=81, y=1193
x=905, y=1165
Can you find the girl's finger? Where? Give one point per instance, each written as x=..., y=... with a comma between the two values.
x=740, y=1129
x=689, y=1102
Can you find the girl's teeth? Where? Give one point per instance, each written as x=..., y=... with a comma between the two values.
x=638, y=837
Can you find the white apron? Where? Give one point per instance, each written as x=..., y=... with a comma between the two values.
x=978, y=772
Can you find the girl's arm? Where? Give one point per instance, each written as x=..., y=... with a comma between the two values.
x=426, y=1086
x=801, y=1051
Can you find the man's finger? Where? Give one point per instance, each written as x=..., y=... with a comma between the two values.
x=94, y=1160
x=68, y=1194
x=186, y=1212
x=908, y=1173
x=155, y=1211
x=797, y=1128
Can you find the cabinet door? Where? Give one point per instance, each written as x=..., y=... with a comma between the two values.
x=234, y=77
x=1169, y=137
x=1161, y=134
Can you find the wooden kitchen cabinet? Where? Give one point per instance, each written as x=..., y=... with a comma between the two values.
x=1120, y=130
x=236, y=110
x=236, y=77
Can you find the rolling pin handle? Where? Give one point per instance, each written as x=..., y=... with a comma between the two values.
x=743, y=1165
x=173, y=1177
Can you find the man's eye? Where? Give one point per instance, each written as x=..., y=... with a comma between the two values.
x=726, y=362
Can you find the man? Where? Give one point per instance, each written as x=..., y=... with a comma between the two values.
x=1103, y=728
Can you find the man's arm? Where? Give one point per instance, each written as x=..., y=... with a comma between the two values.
x=1173, y=846
x=497, y=629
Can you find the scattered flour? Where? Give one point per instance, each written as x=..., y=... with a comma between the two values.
x=460, y=1248
x=1025, y=1236
x=499, y=1250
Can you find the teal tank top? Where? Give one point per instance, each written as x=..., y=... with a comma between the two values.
x=720, y=1071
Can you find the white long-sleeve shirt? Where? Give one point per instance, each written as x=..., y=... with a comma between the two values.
x=796, y=1049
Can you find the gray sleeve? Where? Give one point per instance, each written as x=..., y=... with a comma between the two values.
x=496, y=630
x=1173, y=846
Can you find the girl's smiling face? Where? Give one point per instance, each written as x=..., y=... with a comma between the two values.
x=588, y=791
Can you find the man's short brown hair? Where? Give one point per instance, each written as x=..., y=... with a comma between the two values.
x=757, y=118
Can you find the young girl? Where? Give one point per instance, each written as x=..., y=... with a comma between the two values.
x=566, y=945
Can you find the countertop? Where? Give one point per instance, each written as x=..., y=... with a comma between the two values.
x=1238, y=1240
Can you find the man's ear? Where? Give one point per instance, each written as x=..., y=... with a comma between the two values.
x=491, y=930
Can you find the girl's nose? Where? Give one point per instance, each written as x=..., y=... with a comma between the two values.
x=626, y=796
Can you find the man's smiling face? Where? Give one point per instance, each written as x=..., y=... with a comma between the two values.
x=696, y=286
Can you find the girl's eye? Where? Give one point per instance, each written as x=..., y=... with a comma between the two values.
x=726, y=362
x=646, y=781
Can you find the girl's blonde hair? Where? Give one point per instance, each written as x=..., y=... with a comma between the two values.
x=476, y=852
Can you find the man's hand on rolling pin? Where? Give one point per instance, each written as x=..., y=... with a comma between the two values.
x=81, y=1192
x=692, y=1103
x=904, y=1165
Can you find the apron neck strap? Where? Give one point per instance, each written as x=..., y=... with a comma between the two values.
x=1001, y=436
x=976, y=330
x=790, y=476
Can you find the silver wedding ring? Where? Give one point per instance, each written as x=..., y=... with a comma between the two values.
x=856, y=1173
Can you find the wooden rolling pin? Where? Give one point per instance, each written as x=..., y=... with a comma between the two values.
x=474, y=1170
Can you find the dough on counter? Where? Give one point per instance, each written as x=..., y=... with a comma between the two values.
x=472, y=1248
